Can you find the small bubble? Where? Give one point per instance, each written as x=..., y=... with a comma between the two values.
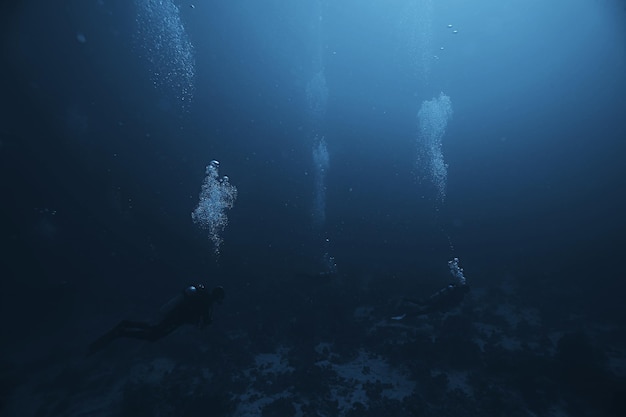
x=81, y=37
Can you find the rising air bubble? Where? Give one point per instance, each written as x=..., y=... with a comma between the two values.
x=457, y=271
x=321, y=162
x=164, y=43
x=217, y=196
x=433, y=119
x=317, y=97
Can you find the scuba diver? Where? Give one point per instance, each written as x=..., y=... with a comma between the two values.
x=442, y=301
x=194, y=305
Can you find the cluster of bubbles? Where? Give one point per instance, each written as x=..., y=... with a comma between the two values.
x=321, y=162
x=415, y=30
x=317, y=96
x=329, y=265
x=316, y=92
x=456, y=270
x=217, y=196
x=433, y=119
x=317, y=35
x=166, y=46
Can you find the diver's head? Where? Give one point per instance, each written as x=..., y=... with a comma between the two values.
x=196, y=289
x=218, y=294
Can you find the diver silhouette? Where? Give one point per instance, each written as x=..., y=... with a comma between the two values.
x=442, y=301
x=194, y=305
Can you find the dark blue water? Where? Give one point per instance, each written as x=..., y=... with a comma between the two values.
x=113, y=109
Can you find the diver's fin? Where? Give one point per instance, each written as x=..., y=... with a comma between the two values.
x=103, y=341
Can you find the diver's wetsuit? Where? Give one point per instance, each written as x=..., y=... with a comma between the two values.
x=443, y=300
x=193, y=306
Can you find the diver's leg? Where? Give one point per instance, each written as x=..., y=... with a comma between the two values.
x=416, y=301
x=130, y=325
x=412, y=311
x=162, y=329
x=135, y=330
x=100, y=343
x=106, y=338
x=125, y=328
x=148, y=332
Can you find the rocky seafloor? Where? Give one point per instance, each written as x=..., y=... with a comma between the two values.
x=491, y=357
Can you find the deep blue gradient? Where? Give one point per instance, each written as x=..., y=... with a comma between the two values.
x=100, y=170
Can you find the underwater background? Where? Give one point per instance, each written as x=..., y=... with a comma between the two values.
x=366, y=144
